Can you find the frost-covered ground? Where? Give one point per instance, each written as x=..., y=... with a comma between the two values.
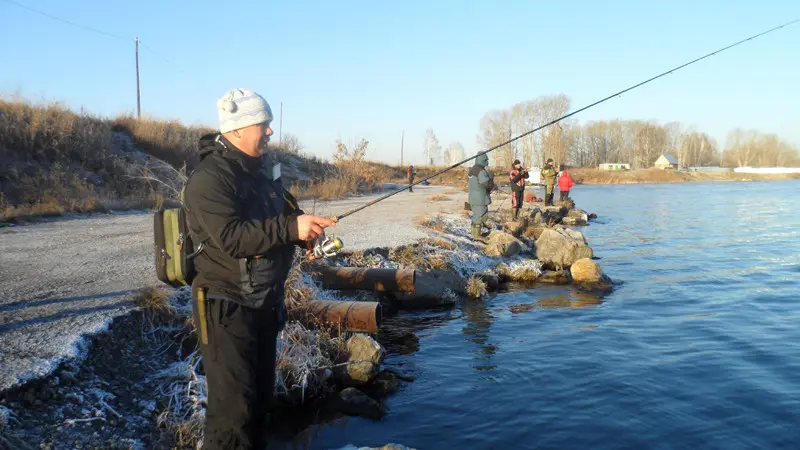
x=61, y=280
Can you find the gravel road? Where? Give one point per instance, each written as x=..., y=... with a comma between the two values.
x=63, y=279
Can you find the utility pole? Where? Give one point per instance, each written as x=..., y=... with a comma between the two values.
x=280, y=128
x=138, y=89
x=403, y=135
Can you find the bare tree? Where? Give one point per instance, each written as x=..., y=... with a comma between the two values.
x=635, y=142
x=454, y=153
x=496, y=128
x=431, y=147
x=291, y=144
x=351, y=159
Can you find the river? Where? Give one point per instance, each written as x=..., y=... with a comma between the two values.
x=698, y=346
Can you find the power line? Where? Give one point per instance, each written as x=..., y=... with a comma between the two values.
x=138, y=41
x=61, y=19
x=95, y=30
x=163, y=58
x=552, y=122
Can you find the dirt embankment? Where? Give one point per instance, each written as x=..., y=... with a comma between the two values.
x=595, y=176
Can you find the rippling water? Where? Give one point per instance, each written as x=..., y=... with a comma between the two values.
x=698, y=347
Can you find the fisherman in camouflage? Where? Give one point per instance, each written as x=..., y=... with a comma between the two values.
x=480, y=183
x=549, y=174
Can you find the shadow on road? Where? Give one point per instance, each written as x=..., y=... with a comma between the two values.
x=23, y=304
x=64, y=314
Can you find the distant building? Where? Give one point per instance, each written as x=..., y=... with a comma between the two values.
x=614, y=166
x=666, y=161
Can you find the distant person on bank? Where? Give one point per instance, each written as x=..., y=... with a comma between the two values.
x=564, y=185
x=480, y=183
x=549, y=174
x=517, y=176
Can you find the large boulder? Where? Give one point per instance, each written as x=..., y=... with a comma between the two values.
x=535, y=216
x=554, y=277
x=353, y=402
x=586, y=270
x=578, y=214
x=385, y=383
x=569, y=204
x=588, y=276
x=553, y=215
x=364, y=357
x=561, y=247
x=515, y=228
x=533, y=232
x=569, y=220
x=503, y=244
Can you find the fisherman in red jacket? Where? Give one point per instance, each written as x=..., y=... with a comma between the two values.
x=517, y=177
x=564, y=185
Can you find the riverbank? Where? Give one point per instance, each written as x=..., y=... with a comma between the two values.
x=83, y=402
x=595, y=176
x=695, y=347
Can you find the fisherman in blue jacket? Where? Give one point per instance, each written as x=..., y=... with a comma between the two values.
x=481, y=183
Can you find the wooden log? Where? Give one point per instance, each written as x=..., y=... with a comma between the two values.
x=362, y=317
x=378, y=280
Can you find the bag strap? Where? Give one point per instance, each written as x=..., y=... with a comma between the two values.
x=182, y=201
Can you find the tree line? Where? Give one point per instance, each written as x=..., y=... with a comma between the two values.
x=635, y=142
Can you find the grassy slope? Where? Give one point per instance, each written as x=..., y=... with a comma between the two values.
x=54, y=161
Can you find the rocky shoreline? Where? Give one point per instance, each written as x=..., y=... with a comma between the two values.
x=323, y=371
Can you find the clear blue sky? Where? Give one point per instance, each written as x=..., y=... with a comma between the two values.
x=372, y=69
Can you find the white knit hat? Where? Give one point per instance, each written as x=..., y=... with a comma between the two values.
x=240, y=108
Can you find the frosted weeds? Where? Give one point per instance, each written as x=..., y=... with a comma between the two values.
x=520, y=270
x=303, y=364
x=186, y=391
x=304, y=360
x=6, y=417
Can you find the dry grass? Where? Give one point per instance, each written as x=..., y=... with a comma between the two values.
x=476, y=287
x=439, y=242
x=336, y=187
x=56, y=161
x=155, y=300
x=167, y=140
x=438, y=198
x=433, y=222
x=305, y=358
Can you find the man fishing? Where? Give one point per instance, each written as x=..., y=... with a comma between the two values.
x=517, y=177
x=480, y=183
x=549, y=175
x=411, y=173
x=249, y=226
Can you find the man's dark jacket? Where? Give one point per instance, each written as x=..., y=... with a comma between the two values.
x=247, y=222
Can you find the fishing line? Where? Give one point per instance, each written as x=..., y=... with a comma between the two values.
x=384, y=197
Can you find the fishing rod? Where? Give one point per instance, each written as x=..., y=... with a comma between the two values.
x=552, y=122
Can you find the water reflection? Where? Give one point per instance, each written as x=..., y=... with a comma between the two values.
x=478, y=320
x=567, y=298
x=696, y=346
x=400, y=334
